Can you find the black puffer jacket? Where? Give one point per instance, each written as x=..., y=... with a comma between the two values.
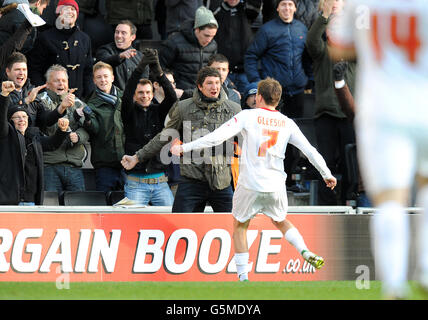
x=183, y=54
x=234, y=44
x=307, y=11
x=123, y=68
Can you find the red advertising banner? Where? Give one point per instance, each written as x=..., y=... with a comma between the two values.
x=43, y=246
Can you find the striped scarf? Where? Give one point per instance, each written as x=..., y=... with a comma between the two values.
x=109, y=98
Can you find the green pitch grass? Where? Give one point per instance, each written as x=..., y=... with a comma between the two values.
x=305, y=290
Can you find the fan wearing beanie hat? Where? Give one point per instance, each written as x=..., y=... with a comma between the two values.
x=19, y=118
x=286, y=9
x=271, y=54
x=189, y=49
x=205, y=26
x=203, y=17
x=13, y=109
x=67, y=11
x=249, y=98
x=71, y=3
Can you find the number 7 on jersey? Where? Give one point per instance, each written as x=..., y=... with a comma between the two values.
x=273, y=138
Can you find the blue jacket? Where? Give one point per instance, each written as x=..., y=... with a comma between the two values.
x=280, y=49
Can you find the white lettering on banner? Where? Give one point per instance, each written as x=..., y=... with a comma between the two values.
x=155, y=250
x=176, y=253
x=35, y=250
x=204, y=250
x=6, y=237
x=307, y=268
x=189, y=257
x=61, y=242
x=293, y=266
x=265, y=249
x=144, y=248
x=82, y=250
x=101, y=248
x=59, y=251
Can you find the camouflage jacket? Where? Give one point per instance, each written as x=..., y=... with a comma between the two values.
x=192, y=118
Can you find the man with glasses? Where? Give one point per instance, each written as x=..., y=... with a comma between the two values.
x=21, y=172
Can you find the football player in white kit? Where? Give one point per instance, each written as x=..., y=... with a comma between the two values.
x=261, y=182
x=390, y=39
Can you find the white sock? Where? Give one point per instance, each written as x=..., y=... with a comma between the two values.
x=241, y=261
x=390, y=238
x=422, y=200
x=294, y=237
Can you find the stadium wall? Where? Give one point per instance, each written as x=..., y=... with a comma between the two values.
x=105, y=244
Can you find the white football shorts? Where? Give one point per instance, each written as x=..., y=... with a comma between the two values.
x=248, y=203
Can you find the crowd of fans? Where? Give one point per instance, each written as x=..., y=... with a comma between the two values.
x=91, y=64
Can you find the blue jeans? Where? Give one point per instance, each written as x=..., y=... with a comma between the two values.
x=192, y=196
x=63, y=178
x=109, y=179
x=158, y=194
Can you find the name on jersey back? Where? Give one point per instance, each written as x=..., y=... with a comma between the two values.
x=272, y=122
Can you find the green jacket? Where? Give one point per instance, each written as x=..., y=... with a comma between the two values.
x=106, y=132
x=67, y=153
x=200, y=116
x=325, y=98
x=138, y=11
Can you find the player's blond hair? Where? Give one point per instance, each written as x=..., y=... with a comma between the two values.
x=270, y=90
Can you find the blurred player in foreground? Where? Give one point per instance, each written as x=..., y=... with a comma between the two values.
x=261, y=182
x=390, y=39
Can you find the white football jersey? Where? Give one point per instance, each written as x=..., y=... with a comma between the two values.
x=391, y=39
x=266, y=134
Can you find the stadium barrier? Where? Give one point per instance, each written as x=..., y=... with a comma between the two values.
x=148, y=244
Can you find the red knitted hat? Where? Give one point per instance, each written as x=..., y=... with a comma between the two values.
x=67, y=3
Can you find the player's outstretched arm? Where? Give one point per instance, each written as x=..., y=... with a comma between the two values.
x=330, y=182
x=226, y=131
